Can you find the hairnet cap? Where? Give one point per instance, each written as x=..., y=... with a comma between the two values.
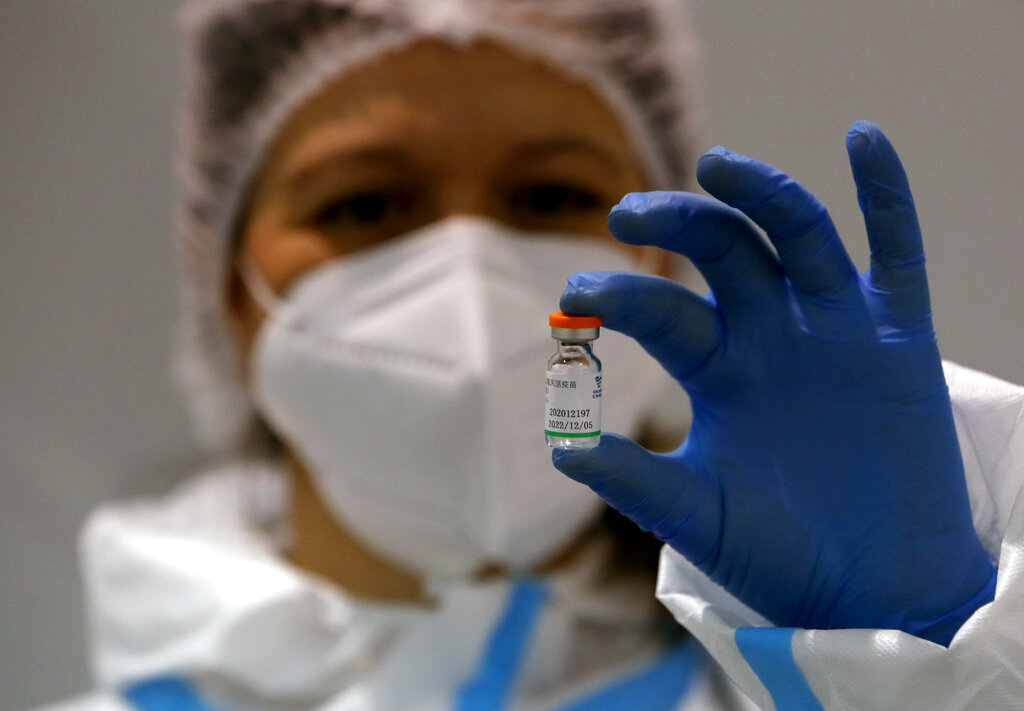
x=251, y=63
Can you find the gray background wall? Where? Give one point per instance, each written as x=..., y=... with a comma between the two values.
x=87, y=100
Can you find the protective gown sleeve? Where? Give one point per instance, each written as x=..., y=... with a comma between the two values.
x=983, y=667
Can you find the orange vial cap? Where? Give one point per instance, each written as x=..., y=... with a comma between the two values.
x=559, y=320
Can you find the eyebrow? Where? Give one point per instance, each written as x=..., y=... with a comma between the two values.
x=396, y=158
x=386, y=156
x=565, y=144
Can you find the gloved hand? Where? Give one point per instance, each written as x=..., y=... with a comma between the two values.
x=821, y=482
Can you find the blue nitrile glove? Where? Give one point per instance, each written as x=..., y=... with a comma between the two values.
x=821, y=482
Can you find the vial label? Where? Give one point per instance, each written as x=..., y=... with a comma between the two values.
x=573, y=405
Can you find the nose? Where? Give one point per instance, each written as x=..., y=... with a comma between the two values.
x=469, y=198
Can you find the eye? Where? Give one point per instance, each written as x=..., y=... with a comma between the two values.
x=366, y=208
x=549, y=200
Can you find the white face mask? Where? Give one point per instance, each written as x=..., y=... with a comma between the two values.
x=409, y=379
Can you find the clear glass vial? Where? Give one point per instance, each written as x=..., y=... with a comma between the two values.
x=572, y=389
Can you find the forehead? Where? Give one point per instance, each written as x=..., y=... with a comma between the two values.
x=445, y=102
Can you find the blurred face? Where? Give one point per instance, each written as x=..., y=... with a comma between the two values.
x=423, y=134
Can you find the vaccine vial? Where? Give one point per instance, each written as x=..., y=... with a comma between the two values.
x=572, y=389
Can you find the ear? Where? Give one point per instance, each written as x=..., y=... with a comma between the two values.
x=236, y=296
x=242, y=313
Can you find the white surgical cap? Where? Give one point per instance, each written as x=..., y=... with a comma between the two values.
x=251, y=63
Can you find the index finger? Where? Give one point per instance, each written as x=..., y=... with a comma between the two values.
x=723, y=245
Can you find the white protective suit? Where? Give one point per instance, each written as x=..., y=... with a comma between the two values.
x=194, y=587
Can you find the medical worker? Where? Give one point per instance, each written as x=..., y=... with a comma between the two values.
x=382, y=201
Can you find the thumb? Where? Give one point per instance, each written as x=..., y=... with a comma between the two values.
x=658, y=492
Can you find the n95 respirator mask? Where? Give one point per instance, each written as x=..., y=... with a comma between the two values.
x=409, y=381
